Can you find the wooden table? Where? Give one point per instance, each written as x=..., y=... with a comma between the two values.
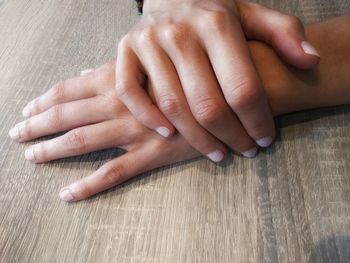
x=290, y=204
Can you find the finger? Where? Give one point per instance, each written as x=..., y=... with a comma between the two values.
x=205, y=97
x=80, y=141
x=111, y=174
x=60, y=118
x=229, y=55
x=130, y=83
x=86, y=71
x=172, y=102
x=284, y=32
x=64, y=91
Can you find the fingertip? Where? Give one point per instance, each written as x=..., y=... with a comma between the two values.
x=26, y=112
x=163, y=131
x=66, y=195
x=265, y=142
x=296, y=51
x=86, y=71
x=166, y=132
x=29, y=155
x=216, y=156
x=15, y=134
x=311, y=56
x=309, y=49
x=250, y=153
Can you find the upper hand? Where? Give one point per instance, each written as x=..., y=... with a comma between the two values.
x=195, y=55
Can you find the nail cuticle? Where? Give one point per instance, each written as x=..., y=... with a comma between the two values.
x=66, y=195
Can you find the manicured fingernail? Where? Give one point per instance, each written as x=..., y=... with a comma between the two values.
x=14, y=133
x=66, y=195
x=251, y=153
x=26, y=111
x=309, y=49
x=216, y=156
x=29, y=154
x=264, y=142
x=163, y=131
x=86, y=71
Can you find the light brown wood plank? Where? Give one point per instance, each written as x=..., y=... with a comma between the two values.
x=290, y=204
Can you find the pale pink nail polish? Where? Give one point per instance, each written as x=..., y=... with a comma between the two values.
x=86, y=71
x=264, y=142
x=251, y=153
x=216, y=156
x=29, y=154
x=309, y=49
x=14, y=133
x=163, y=131
x=26, y=111
x=66, y=195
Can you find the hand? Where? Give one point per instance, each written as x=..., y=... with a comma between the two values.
x=95, y=119
x=101, y=120
x=195, y=55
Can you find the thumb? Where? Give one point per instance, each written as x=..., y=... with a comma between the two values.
x=283, y=32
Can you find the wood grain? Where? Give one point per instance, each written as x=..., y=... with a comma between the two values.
x=290, y=204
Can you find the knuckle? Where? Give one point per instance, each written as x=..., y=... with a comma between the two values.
x=176, y=35
x=170, y=106
x=207, y=111
x=76, y=142
x=122, y=88
x=105, y=77
x=293, y=22
x=217, y=20
x=110, y=104
x=114, y=174
x=54, y=117
x=146, y=36
x=123, y=43
x=57, y=91
x=244, y=94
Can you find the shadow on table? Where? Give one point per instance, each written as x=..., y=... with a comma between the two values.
x=291, y=119
x=333, y=249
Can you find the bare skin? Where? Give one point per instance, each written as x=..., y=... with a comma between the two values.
x=101, y=121
x=195, y=55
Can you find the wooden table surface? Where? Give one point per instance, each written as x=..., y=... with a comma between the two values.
x=290, y=204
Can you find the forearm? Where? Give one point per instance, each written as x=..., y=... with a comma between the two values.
x=289, y=89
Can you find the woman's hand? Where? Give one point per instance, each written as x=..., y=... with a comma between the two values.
x=195, y=55
x=95, y=119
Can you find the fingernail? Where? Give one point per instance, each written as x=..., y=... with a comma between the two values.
x=264, y=142
x=26, y=111
x=29, y=154
x=309, y=49
x=163, y=131
x=14, y=133
x=66, y=195
x=86, y=71
x=251, y=153
x=216, y=156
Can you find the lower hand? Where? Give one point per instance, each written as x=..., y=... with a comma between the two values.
x=95, y=119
